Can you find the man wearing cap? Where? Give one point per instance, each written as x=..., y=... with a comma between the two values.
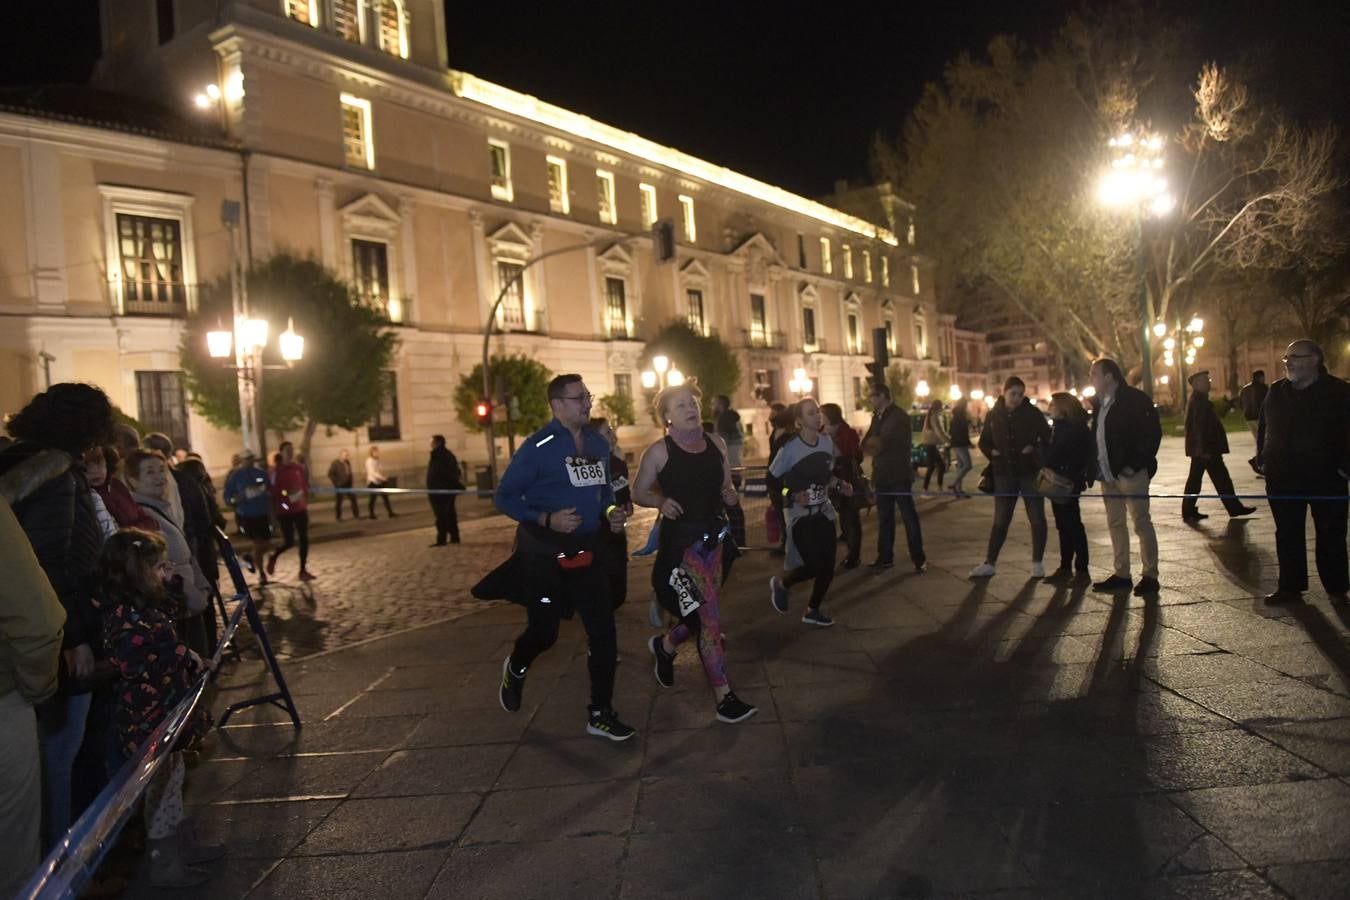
x=1206, y=443
x=248, y=491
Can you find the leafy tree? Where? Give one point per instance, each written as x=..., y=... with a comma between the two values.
x=526, y=381
x=339, y=383
x=697, y=356
x=618, y=408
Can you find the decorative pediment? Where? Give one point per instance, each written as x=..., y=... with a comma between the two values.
x=694, y=273
x=512, y=237
x=886, y=302
x=616, y=259
x=807, y=293
x=757, y=242
x=368, y=214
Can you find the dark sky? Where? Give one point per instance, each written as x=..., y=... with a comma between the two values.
x=790, y=93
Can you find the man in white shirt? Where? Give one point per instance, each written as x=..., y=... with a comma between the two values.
x=376, y=478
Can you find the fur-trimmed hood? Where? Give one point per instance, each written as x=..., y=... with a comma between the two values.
x=30, y=471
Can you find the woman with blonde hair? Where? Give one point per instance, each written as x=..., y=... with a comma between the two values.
x=686, y=476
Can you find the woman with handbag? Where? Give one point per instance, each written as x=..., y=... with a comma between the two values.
x=1069, y=458
x=1013, y=433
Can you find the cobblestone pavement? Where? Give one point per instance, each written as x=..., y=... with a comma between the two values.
x=947, y=738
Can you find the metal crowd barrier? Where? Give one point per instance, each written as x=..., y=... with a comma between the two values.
x=77, y=856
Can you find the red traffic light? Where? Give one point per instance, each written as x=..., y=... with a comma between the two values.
x=483, y=411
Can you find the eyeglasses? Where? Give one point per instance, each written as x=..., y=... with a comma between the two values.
x=583, y=399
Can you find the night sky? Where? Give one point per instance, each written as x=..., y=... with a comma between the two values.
x=789, y=93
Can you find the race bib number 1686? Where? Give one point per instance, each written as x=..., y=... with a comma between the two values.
x=583, y=471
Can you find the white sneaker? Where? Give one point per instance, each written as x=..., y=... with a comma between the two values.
x=1038, y=569
x=983, y=570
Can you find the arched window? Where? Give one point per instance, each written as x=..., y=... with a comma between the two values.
x=393, y=27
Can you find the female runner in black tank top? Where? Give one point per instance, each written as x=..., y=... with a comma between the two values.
x=686, y=476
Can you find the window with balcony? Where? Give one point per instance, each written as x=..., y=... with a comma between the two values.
x=616, y=308
x=358, y=146
x=370, y=272
x=848, y=260
x=347, y=20
x=759, y=325
x=150, y=257
x=499, y=154
x=385, y=425
x=697, y=320
x=604, y=194
x=161, y=405
x=557, y=185
x=826, y=263
x=809, y=328
x=854, y=334
x=648, y=194
x=511, y=315
x=687, y=217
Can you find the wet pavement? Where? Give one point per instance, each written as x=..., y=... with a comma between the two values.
x=946, y=738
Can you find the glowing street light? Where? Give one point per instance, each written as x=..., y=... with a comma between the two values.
x=674, y=378
x=922, y=390
x=649, y=380
x=660, y=364
x=800, y=383
x=954, y=393
x=977, y=394
x=663, y=373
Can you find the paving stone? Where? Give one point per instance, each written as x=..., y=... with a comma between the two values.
x=259, y=830
x=1261, y=703
x=1219, y=758
x=336, y=735
x=719, y=864
x=358, y=877
x=1325, y=743
x=745, y=746
x=1196, y=670
x=301, y=776
x=1276, y=823
x=571, y=761
x=678, y=804
x=573, y=868
x=391, y=823
x=435, y=770
x=1313, y=881
x=540, y=814
x=465, y=726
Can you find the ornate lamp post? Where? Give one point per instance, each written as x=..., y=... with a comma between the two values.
x=246, y=342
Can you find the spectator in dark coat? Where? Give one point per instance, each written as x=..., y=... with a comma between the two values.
x=1127, y=432
x=847, y=467
x=1071, y=455
x=340, y=476
x=443, y=474
x=1206, y=444
x=889, y=441
x=1013, y=436
x=41, y=480
x=1303, y=445
x=1250, y=398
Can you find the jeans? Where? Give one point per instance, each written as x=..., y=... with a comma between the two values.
x=886, y=504
x=1130, y=493
x=60, y=736
x=1329, y=529
x=1072, y=534
x=813, y=536
x=963, y=466
x=1223, y=484
x=1004, y=507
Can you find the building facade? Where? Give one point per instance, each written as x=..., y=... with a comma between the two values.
x=344, y=135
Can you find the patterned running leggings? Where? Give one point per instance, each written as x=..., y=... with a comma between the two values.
x=705, y=570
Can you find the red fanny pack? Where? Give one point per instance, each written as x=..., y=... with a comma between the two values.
x=580, y=560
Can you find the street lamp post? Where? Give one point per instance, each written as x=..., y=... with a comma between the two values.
x=1136, y=180
x=246, y=341
x=1180, y=349
x=800, y=383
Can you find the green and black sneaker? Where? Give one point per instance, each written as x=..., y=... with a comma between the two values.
x=605, y=723
x=513, y=686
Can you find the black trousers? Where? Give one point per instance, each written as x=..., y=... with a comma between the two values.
x=343, y=498
x=296, y=524
x=589, y=590
x=850, y=524
x=936, y=463
x=1329, y=529
x=373, y=497
x=886, y=523
x=813, y=536
x=1218, y=474
x=1072, y=535
x=447, y=519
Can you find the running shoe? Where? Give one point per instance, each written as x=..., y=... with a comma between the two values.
x=605, y=723
x=734, y=709
x=513, y=686
x=983, y=570
x=778, y=594
x=307, y=575
x=817, y=617
x=1038, y=569
x=665, y=662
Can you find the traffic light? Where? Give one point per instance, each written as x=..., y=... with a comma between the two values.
x=663, y=238
x=881, y=357
x=482, y=410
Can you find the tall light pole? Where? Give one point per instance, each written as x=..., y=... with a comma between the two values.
x=1136, y=180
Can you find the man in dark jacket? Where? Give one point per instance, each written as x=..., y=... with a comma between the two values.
x=1251, y=397
x=1014, y=434
x=888, y=442
x=340, y=476
x=1128, y=433
x=443, y=474
x=1303, y=445
x=1206, y=443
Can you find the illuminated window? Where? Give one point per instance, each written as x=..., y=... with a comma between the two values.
x=848, y=260
x=616, y=308
x=557, y=185
x=347, y=20
x=690, y=227
x=604, y=194
x=890, y=336
x=885, y=272
x=826, y=263
x=867, y=266
x=304, y=11
x=808, y=328
x=914, y=276
x=511, y=314
x=648, y=205
x=854, y=335
x=393, y=25
x=697, y=321
x=357, y=143
x=370, y=271
x=151, y=253
x=500, y=155
x=910, y=235
x=759, y=325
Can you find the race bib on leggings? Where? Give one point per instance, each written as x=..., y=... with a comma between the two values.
x=685, y=592
x=817, y=494
x=583, y=471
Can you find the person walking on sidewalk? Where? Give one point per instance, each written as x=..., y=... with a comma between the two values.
x=616, y=561
x=727, y=424
x=687, y=476
x=888, y=441
x=847, y=468
x=1070, y=454
x=290, y=503
x=806, y=466
x=557, y=487
x=934, y=437
x=1250, y=398
x=959, y=436
x=1304, y=449
x=340, y=477
x=1014, y=433
x=1206, y=444
x=1127, y=433
x=375, y=478
x=248, y=491
x=780, y=432
x=443, y=475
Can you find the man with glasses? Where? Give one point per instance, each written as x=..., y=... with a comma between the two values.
x=558, y=488
x=1303, y=447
